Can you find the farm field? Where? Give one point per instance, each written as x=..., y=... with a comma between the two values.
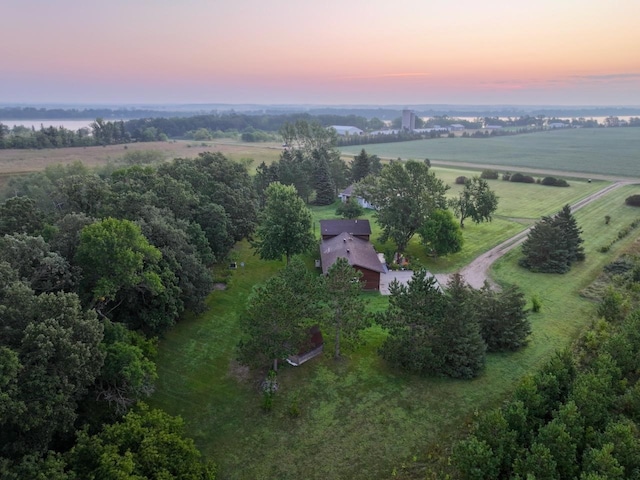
x=603, y=151
x=24, y=161
x=358, y=418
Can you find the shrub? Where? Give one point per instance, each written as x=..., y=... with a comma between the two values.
x=460, y=180
x=633, y=201
x=554, y=182
x=350, y=209
x=506, y=176
x=536, y=304
x=520, y=178
x=489, y=174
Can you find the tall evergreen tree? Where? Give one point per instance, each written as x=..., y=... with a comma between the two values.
x=323, y=183
x=346, y=316
x=360, y=166
x=414, y=309
x=458, y=341
x=571, y=233
x=503, y=319
x=553, y=244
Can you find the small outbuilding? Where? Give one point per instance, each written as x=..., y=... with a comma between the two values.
x=310, y=349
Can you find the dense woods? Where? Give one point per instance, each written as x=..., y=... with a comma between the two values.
x=94, y=267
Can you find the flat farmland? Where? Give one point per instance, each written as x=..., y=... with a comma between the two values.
x=14, y=161
x=613, y=152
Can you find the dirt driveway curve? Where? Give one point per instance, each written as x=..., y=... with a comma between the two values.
x=476, y=273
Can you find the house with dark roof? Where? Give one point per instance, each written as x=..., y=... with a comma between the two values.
x=359, y=253
x=356, y=227
x=348, y=194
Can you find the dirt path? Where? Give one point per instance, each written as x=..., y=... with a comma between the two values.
x=477, y=271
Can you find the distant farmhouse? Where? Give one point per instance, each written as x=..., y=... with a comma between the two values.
x=347, y=194
x=350, y=239
x=456, y=127
x=346, y=131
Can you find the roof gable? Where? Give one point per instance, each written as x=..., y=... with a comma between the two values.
x=358, y=252
x=338, y=226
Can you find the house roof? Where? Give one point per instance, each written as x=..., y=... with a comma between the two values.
x=358, y=252
x=347, y=191
x=337, y=226
x=346, y=129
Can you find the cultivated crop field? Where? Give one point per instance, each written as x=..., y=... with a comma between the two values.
x=358, y=418
x=604, y=151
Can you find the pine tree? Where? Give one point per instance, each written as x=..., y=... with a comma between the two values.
x=553, y=244
x=544, y=249
x=360, y=167
x=457, y=340
x=571, y=234
x=323, y=183
x=503, y=319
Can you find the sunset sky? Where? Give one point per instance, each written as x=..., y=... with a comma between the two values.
x=561, y=52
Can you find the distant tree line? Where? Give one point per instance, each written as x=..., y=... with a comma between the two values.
x=402, y=136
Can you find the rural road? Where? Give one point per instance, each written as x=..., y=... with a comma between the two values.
x=477, y=271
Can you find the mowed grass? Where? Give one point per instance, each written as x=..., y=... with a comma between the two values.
x=519, y=206
x=358, y=418
x=605, y=151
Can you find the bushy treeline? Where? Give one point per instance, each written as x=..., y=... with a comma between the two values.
x=403, y=136
x=578, y=417
x=100, y=133
x=33, y=113
x=50, y=137
x=93, y=267
x=310, y=163
x=178, y=127
x=448, y=332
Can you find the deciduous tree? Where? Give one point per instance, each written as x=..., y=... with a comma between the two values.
x=441, y=234
x=476, y=201
x=405, y=195
x=285, y=225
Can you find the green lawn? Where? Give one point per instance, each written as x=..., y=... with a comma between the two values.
x=358, y=418
x=607, y=151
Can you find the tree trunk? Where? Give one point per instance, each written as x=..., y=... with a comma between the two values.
x=338, y=325
x=275, y=364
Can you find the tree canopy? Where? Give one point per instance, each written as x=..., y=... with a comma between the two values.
x=285, y=225
x=553, y=244
x=476, y=201
x=405, y=195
